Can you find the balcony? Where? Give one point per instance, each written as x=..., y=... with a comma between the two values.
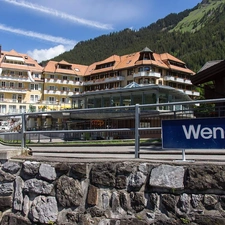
x=190, y=92
x=9, y=77
x=147, y=74
x=13, y=90
x=177, y=79
x=104, y=80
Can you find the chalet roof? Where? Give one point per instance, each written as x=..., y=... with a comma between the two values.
x=146, y=49
x=209, y=72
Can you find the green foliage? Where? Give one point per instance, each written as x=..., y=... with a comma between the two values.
x=185, y=220
x=195, y=36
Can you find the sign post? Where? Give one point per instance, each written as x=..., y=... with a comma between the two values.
x=207, y=133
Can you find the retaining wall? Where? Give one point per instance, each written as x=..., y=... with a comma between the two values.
x=111, y=193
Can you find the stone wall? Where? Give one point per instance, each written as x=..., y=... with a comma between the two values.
x=111, y=193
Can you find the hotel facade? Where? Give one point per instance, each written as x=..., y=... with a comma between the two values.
x=28, y=87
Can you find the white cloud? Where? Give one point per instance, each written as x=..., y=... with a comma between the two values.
x=45, y=54
x=41, y=36
x=59, y=14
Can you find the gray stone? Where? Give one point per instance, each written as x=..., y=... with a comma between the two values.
x=168, y=203
x=47, y=172
x=124, y=168
x=44, y=210
x=11, y=167
x=26, y=205
x=68, y=191
x=5, y=203
x=203, y=177
x=124, y=203
x=115, y=204
x=137, y=201
x=79, y=171
x=103, y=175
x=18, y=194
x=14, y=219
x=105, y=200
x=184, y=204
x=136, y=181
x=30, y=169
x=166, y=176
x=121, y=182
x=6, y=177
x=38, y=186
x=6, y=188
x=196, y=200
x=210, y=202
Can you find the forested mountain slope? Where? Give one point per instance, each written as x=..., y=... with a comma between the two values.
x=194, y=36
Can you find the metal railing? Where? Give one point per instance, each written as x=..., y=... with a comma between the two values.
x=136, y=114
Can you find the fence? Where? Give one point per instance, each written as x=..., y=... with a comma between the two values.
x=133, y=121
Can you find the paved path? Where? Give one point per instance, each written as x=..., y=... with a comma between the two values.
x=155, y=153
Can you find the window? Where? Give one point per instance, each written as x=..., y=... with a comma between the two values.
x=51, y=99
x=14, y=98
x=11, y=72
x=20, y=85
x=64, y=89
x=12, y=109
x=11, y=85
x=64, y=77
x=1, y=97
x=52, y=88
x=52, y=76
x=76, y=78
x=20, y=73
x=63, y=100
x=34, y=98
x=22, y=109
x=3, y=84
x=3, y=109
x=36, y=75
x=34, y=87
x=76, y=89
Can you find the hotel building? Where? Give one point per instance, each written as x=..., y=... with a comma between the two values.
x=26, y=86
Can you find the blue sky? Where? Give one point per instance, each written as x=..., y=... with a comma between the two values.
x=46, y=28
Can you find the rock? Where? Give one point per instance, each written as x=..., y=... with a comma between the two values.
x=124, y=203
x=124, y=168
x=44, y=210
x=68, y=191
x=203, y=177
x=168, y=203
x=30, y=169
x=6, y=177
x=47, y=172
x=14, y=219
x=103, y=175
x=210, y=201
x=18, y=194
x=166, y=176
x=115, y=203
x=92, y=196
x=38, y=186
x=136, y=181
x=6, y=188
x=196, y=200
x=105, y=200
x=79, y=171
x=62, y=169
x=5, y=203
x=11, y=167
x=96, y=212
x=121, y=182
x=208, y=220
x=26, y=205
x=183, y=204
x=137, y=201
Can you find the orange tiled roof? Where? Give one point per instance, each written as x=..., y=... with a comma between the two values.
x=29, y=63
x=76, y=69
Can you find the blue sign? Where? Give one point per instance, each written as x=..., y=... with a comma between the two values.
x=194, y=133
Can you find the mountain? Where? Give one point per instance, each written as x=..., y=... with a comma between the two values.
x=194, y=36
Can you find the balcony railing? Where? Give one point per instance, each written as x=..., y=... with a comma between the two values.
x=147, y=74
x=13, y=90
x=104, y=80
x=177, y=79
